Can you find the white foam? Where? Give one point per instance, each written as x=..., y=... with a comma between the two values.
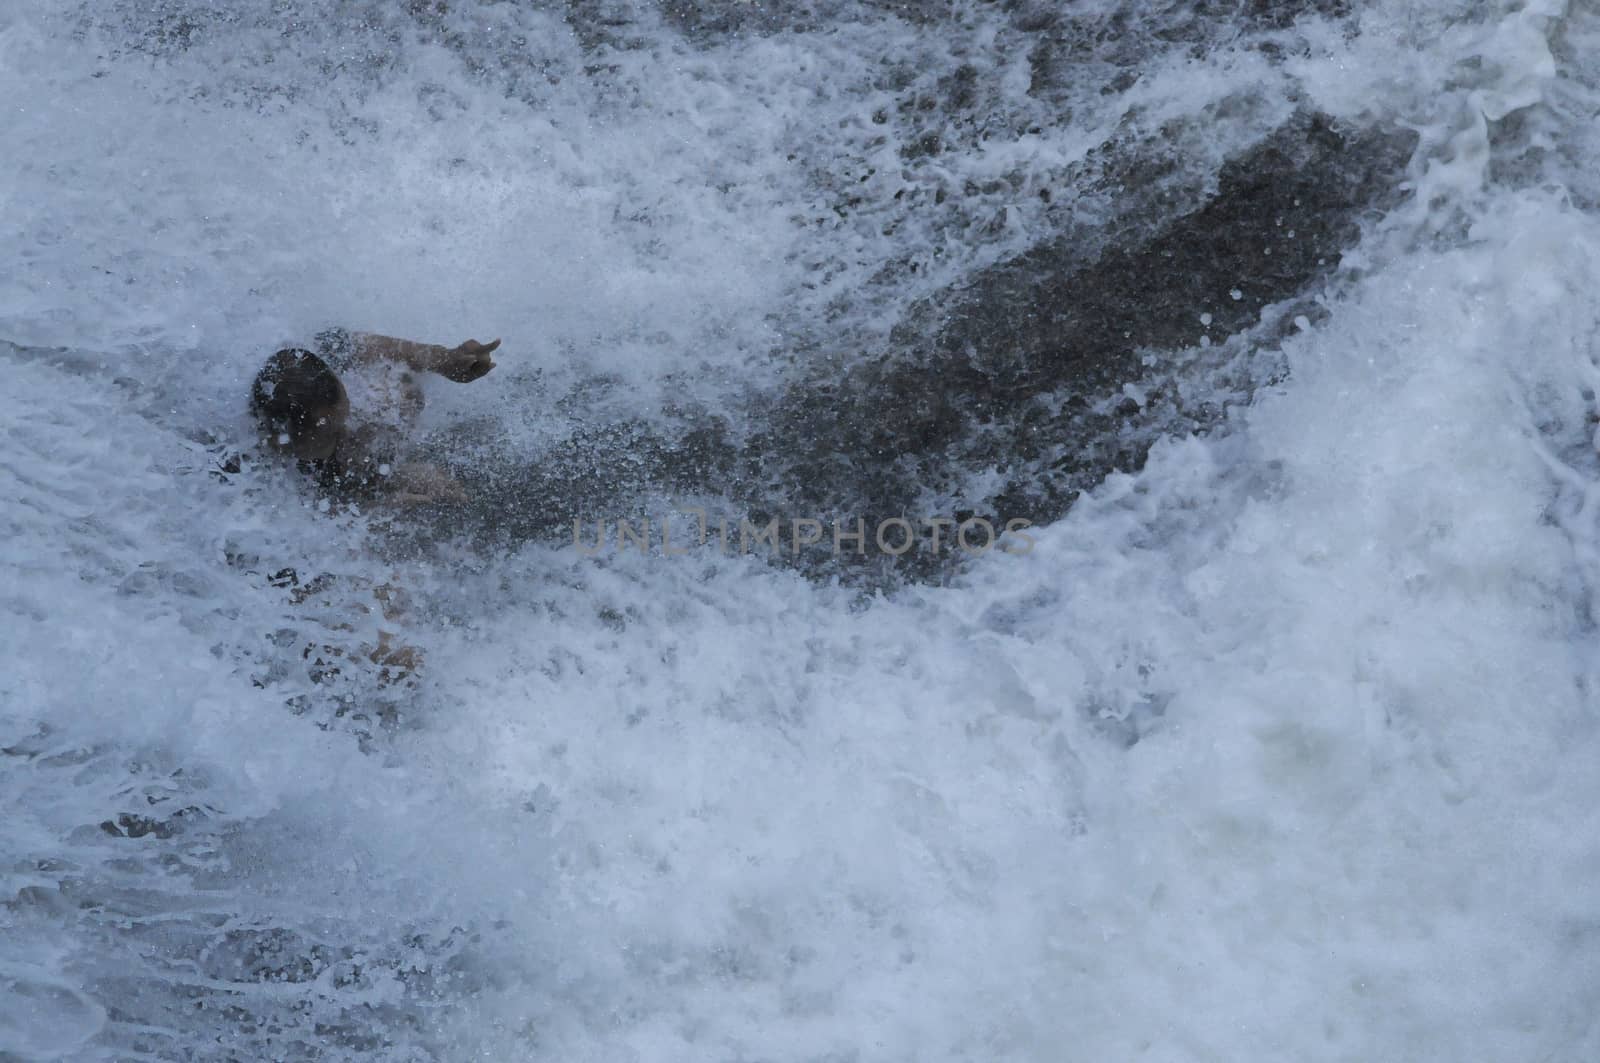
x=1281, y=749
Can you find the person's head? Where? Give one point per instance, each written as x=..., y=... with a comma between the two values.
x=300, y=404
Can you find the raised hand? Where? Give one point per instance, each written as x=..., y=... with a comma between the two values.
x=468, y=362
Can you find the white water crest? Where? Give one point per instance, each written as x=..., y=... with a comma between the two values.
x=1283, y=746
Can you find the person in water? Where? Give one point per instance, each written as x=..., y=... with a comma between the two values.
x=304, y=410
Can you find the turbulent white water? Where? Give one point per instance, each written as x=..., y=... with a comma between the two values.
x=1284, y=747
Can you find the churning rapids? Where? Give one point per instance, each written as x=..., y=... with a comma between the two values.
x=1272, y=736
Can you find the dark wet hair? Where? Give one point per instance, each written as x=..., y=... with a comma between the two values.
x=292, y=389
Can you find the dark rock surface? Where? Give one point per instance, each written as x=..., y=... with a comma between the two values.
x=1023, y=368
x=1183, y=20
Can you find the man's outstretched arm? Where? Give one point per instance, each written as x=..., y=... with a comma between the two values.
x=463, y=364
